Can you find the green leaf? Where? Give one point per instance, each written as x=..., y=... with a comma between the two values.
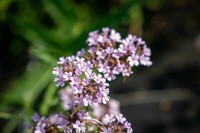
x=27, y=88
x=5, y=115
x=43, y=79
x=11, y=124
x=49, y=98
x=42, y=53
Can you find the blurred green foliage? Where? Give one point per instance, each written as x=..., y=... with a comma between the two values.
x=54, y=28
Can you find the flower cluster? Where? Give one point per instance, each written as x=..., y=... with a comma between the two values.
x=116, y=124
x=88, y=87
x=112, y=107
x=69, y=123
x=85, y=76
x=113, y=56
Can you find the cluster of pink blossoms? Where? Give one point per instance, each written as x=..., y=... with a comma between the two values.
x=113, y=56
x=87, y=74
x=68, y=123
x=88, y=87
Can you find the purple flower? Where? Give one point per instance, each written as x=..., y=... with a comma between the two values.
x=57, y=71
x=92, y=39
x=87, y=100
x=67, y=76
x=105, y=30
x=114, y=107
x=117, y=69
x=117, y=123
x=120, y=118
x=56, y=119
x=77, y=121
x=145, y=61
x=74, y=81
x=127, y=125
x=115, y=36
x=77, y=89
x=66, y=96
x=79, y=126
x=103, y=67
x=109, y=75
x=81, y=53
x=133, y=60
x=111, y=108
x=60, y=81
x=83, y=115
x=92, y=50
x=41, y=125
x=102, y=39
x=35, y=117
x=126, y=70
x=99, y=79
x=101, y=54
x=108, y=119
x=61, y=61
x=109, y=50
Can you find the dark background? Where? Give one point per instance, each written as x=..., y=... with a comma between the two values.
x=162, y=98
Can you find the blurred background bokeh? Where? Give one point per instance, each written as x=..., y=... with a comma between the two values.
x=163, y=98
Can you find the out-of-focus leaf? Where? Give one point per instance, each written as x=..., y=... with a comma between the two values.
x=26, y=89
x=41, y=52
x=31, y=94
x=49, y=98
x=35, y=32
x=59, y=14
x=5, y=115
x=11, y=124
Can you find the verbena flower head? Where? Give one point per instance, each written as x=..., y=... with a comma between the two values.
x=88, y=88
x=116, y=124
x=84, y=78
x=69, y=123
x=50, y=124
x=112, y=55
